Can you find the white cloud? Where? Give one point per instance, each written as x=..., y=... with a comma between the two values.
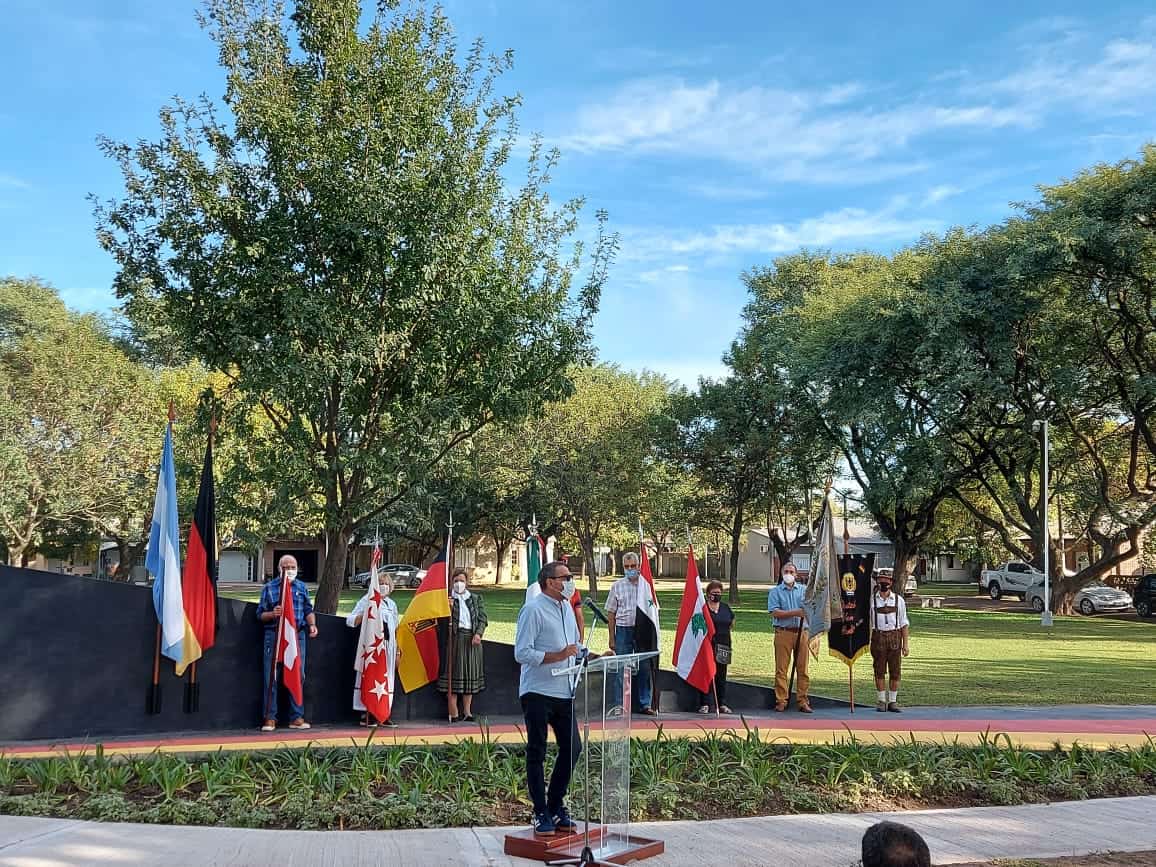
x=15, y=182
x=847, y=227
x=851, y=132
x=941, y=192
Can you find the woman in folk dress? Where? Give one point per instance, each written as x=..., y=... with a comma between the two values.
x=467, y=625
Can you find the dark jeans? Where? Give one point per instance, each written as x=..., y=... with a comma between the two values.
x=640, y=679
x=269, y=698
x=720, y=685
x=542, y=711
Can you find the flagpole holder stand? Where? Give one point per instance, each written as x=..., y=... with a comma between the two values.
x=602, y=694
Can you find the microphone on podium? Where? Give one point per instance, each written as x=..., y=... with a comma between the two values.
x=598, y=612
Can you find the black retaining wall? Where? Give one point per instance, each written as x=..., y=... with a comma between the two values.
x=76, y=659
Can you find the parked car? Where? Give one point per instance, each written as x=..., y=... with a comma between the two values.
x=1012, y=577
x=403, y=575
x=1144, y=596
x=1092, y=598
x=910, y=586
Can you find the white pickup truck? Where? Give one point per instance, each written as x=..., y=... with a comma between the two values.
x=1014, y=578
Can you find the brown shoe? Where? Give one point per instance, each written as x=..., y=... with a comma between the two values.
x=881, y=706
x=780, y=706
x=804, y=707
x=893, y=707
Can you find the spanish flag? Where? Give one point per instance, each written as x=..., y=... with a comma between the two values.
x=199, y=579
x=417, y=634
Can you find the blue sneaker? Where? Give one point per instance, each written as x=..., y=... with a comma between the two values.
x=544, y=825
x=563, y=822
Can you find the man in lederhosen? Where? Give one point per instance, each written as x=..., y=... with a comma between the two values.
x=888, y=643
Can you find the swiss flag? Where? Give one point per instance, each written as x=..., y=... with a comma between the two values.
x=373, y=654
x=287, y=651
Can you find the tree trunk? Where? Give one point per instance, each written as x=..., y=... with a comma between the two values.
x=502, y=546
x=589, y=570
x=333, y=573
x=904, y=557
x=736, y=540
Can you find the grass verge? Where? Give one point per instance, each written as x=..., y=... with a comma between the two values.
x=957, y=657
x=478, y=782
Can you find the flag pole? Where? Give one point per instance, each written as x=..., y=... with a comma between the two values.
x=153, y=699
x=277, y=649
x=452, y=630
x=846, y=552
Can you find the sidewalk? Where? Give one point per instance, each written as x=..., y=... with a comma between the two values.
x=955, y=837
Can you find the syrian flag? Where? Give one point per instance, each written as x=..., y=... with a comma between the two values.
x=646, y=629
x=372, y=662
x=693, y=656
x=287, y=651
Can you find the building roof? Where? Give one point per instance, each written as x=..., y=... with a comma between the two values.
x=861, y=534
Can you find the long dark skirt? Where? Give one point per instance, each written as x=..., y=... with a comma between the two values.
x=469, y=668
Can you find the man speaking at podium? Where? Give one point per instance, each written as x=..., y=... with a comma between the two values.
x=547, y=638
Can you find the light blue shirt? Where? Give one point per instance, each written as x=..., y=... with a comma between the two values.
x=782, y=599
x=545, y=625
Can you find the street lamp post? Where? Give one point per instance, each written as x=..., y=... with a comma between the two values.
x=1046, y=616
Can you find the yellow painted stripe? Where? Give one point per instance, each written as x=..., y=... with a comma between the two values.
x=1026, y=740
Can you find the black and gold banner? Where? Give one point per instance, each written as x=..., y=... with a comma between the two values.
x=849, y=637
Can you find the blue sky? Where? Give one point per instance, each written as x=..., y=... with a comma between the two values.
x=718, y=136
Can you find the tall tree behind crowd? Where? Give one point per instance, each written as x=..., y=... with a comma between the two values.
x=343, y=243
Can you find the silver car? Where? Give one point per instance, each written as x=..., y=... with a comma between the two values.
x=1093, y=598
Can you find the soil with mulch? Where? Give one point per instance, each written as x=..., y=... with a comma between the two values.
x=1107, y=859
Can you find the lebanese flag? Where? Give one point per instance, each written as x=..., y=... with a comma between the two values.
x=287, y=653
x=693, y=656
x=372, y=652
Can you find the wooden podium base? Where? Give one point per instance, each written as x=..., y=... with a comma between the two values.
x=526, y=844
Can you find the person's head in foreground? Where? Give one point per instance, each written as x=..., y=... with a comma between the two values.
x=889, y=844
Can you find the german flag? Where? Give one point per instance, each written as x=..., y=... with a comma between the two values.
x=419, y=657
x=199, y=578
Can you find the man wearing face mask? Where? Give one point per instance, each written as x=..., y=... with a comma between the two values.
x=785, y=604
x=387, y=611
x=888, y=643
x=467, y=625
x=269, y=613
x=547, y=637
x=622, y=612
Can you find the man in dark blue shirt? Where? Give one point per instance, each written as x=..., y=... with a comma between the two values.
x=269, y=613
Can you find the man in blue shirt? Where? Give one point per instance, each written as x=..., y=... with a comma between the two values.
x=269, y=613
x=785, y=604
x=547, y=637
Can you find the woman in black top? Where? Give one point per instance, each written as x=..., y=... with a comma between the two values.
x=723, y=618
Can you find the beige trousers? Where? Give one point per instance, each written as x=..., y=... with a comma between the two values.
x=786, y=643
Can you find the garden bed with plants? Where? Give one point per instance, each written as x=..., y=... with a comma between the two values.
x=478, y=782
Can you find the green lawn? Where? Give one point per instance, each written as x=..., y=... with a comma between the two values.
x=957, y=657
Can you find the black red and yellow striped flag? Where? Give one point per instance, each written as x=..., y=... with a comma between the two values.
x=199, y=578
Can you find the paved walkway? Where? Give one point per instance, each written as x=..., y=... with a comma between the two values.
x=1033, y=727
x=955, y=836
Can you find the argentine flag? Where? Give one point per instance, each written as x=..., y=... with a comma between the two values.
x=164, y=558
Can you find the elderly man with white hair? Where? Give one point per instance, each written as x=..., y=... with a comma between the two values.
x=269, y=613
x=622, y=612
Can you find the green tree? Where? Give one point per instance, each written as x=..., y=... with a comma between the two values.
x=347, y=249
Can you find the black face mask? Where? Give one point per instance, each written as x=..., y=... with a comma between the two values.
x=884, y=588
x=716, y=597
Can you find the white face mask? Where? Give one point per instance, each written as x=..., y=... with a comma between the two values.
x=386, y=589
x=291, y=574
x=568, y=588
x=459, y=587
x=789, y=578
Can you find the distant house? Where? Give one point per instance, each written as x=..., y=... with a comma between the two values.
x=758, y=562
